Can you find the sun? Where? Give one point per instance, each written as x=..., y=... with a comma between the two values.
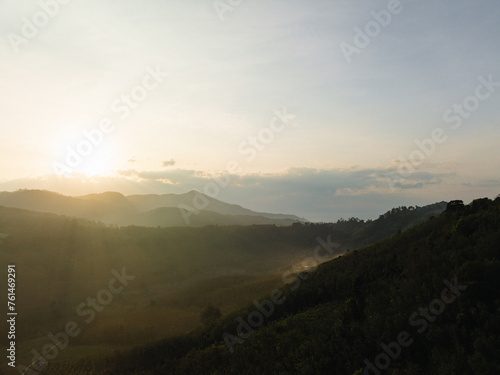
x=97, y=163
x=86, y=152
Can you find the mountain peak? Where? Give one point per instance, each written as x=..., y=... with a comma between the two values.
x=114, y=208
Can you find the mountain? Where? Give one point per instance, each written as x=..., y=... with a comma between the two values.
x=164, y=211
x=149, y=202
x=425, y=301
x=106, y=207
x=146, y=210
x=172, y=217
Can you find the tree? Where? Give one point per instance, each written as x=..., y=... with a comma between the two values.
x=454, y=206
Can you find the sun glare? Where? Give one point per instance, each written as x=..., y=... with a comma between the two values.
x=100, y=162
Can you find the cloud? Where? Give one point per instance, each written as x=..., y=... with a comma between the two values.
x=350, y=181
x=355, y=181
x=490, y=183
x=169, y=163
x=181, y=177
x=317, y=194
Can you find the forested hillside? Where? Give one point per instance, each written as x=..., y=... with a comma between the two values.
x=179, y=272
x=429, y=296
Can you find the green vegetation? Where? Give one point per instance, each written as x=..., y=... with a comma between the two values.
x=342, y=312
x=181, y=273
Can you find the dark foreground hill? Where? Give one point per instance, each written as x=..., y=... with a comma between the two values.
x=423, y=302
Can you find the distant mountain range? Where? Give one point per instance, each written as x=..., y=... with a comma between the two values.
x=151, y=210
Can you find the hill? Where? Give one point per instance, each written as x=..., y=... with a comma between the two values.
x=189, y=209
x=149, y=202
x=180, y=271
x=425, y=301
x=173, y=217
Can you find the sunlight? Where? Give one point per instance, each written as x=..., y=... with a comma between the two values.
x=99, y=162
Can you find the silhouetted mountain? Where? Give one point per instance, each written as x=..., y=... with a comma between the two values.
x=172, y=217
x=105, y=207
x=146, y=210
x=149, y=202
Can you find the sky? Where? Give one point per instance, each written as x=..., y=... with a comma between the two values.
x=323, y=109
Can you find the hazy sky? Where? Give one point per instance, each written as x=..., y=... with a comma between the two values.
x=334, y=94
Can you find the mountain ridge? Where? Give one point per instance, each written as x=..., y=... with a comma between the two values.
x=115, y=208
